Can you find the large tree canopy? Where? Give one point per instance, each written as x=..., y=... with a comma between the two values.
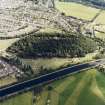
x=51, y=46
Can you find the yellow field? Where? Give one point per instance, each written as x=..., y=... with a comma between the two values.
x=7, y=80
x=49, y=63
x=101, y=18
x=4, y=44
x=77, y=10
x=100, y=35
x=101, y=21
x=55, y=63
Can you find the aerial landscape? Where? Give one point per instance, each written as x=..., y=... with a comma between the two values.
x=52, y=52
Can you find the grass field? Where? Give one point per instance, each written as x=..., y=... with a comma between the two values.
x=50, y=30
x=4, y=44
x=100, y=35
x=55, y=63
x=49, y=63
x=85, y=88
x=23, y=99
x=7, y=80
x=77, y=10
x=80, y=89
x=100, y=19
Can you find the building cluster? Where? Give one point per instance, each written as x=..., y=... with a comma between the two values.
x=7, y=69
x=30, y=17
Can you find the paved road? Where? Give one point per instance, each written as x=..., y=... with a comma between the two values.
x=7, y=91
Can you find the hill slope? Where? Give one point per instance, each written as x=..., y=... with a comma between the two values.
x=50, y=46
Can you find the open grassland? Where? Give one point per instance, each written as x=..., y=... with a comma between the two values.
x=7, y=80
x=4, y=44
x=49, y=63
x=56, y=63
x=23, y=99
x=77, y=10
x=98, y=23
x=100, y=19
x=100, y=35
x=85, y=88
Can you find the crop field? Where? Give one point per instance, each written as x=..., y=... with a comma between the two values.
x=77, y=10
x=23, y=99
x=85, y=88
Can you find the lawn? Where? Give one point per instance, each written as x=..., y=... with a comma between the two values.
x=77, y=10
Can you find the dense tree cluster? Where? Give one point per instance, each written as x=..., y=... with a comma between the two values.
x=25, y=71
x=53, y=46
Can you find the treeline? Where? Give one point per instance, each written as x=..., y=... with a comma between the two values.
x=53, y=46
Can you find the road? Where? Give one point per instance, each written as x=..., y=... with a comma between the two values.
x=13, y=89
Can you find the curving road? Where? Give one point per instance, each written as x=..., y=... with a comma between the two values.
x=13, y=89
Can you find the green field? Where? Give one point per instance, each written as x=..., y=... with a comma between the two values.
x=85, y=88
x=101, y=21
x=77, y=10
x=23, y=99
